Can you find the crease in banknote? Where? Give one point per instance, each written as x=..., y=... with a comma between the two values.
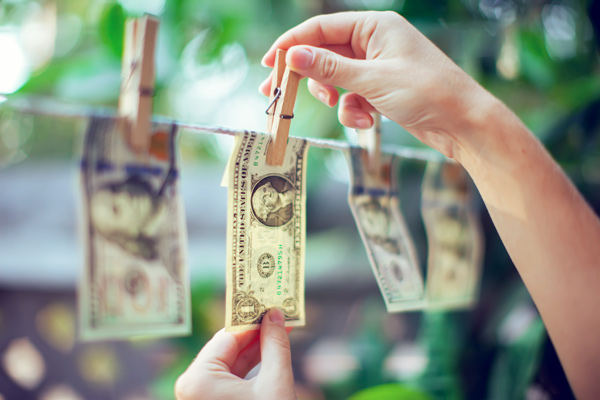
x=374, y=201
x=135, y=280
x=454, y=236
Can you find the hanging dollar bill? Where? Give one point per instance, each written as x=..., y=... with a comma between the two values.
x=453, y=234
x=265, y=233
x=135, y=281
x=373, y=199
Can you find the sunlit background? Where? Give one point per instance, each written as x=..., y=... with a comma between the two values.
x=538, y=56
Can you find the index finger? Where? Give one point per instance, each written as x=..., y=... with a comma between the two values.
x=323, y=31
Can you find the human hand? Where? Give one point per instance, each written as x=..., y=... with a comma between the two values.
x=387, y=66
x=219, y=369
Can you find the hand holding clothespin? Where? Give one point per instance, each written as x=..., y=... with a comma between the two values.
x=284, y=88
x=370, y=139
x=137, y=85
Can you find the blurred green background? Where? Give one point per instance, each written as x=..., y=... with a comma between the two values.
x=540, y=57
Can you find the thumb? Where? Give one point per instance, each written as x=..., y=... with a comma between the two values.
x=327, y=67
x=275, y=350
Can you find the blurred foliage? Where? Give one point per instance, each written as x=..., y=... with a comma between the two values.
x=440, y=338
x=389, y=391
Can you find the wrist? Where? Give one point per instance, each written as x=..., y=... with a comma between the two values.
x=491, y=136
x=505, y=160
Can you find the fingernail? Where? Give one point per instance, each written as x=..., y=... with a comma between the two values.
x=263, y=62
x=301, y=58
x=276, y=316
x=324, y=97
x=363, y=123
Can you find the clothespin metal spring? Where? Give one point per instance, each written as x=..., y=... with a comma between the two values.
x=277, y=95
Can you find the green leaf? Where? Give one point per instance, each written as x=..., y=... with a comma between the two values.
x=390, y=391
x=536, y=64
x=516, y=362
x=112, y=28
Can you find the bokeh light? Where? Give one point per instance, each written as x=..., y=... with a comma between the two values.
x=15, y=73
x=60, y=392
x=560, y=29
x=23, y=363
x=56, y=325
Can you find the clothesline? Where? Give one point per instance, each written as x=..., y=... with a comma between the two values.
x=52, y=107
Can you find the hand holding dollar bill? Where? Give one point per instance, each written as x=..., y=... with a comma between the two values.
x=266, y=229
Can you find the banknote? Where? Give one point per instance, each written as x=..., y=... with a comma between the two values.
x=135, y=280
x=373, y=199
x=266, y=227
x=454, y=236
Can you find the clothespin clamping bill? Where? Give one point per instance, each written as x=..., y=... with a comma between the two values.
x=137, y=85
x=280, y=112
x=370, y=139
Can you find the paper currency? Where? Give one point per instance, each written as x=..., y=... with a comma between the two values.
x=374, y=202
x=135, y=281
x=453, y=234
x=265, y=233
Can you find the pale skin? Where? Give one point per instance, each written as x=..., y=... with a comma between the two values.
x=550, y=232
x=218, y=370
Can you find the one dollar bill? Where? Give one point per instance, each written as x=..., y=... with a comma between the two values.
x=266, y=229
x=454, y=236
x=135, y=280
x=373, y=199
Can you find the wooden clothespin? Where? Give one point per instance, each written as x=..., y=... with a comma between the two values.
x=280, y=112
x=370, y=139
x=137, y=85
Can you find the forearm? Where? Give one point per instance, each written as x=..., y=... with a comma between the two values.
x=553, y=237
x=550, y=232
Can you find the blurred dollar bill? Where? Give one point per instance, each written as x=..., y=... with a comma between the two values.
x=454, y=236
x=265, y=233
x=374, y=202
x=135, y=281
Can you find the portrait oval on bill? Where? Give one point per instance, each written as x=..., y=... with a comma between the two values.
x=374, y=219
x=273, y=200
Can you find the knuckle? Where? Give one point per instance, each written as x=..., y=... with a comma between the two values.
x=180, y=389
x=281, y=340
x=186, y=390
x=314, y=19
x=392, y=18
x=329, y=67
x=313, y=86
x=392, y=15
